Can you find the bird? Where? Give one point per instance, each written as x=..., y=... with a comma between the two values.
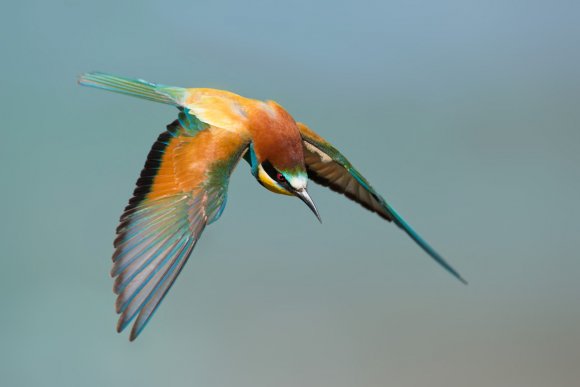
x=183, y=185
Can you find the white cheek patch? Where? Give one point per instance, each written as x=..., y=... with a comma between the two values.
x=323, y=156
x=298, y=182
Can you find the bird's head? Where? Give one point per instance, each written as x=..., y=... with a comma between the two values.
x=276, y=153
x=285, y=182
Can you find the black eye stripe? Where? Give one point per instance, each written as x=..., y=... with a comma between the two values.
x=270, y=170
x=273, y=173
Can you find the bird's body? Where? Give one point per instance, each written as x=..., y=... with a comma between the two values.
x=183, y=186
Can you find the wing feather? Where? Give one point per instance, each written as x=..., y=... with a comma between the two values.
x=328, y=167
x=182, y=188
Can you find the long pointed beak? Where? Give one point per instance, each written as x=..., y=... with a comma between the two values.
x=303, y=195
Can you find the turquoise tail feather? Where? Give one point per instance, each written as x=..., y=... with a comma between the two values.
x=399, y=221
x=135, y=87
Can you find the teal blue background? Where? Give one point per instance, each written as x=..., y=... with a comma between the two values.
x=464, y=114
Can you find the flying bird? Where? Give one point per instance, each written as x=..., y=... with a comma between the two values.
x=183, y=185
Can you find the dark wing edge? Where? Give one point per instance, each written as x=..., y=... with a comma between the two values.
x=328, y=167
x=155, y=237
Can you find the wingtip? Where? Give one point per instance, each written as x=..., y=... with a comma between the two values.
x=399, y=221
x=439, y=259
x=136, y=331
x=449, y=269
x=122, y=324
x=462, y=280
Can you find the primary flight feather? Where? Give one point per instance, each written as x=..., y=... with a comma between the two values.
x=183, y=186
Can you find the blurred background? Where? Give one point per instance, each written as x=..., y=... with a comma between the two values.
x=463, y=114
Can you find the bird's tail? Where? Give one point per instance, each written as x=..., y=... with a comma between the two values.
x=135, y=87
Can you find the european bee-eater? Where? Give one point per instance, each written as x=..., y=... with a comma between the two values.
x=183, y=186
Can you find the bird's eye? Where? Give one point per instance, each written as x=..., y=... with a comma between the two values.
x=274, y=174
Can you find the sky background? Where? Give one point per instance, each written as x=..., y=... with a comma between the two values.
x=463, y=114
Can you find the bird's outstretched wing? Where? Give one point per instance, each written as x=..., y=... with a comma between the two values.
x=328, y=167
x=182, y=188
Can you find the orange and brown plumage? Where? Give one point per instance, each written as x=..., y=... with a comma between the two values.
x=183, y=186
